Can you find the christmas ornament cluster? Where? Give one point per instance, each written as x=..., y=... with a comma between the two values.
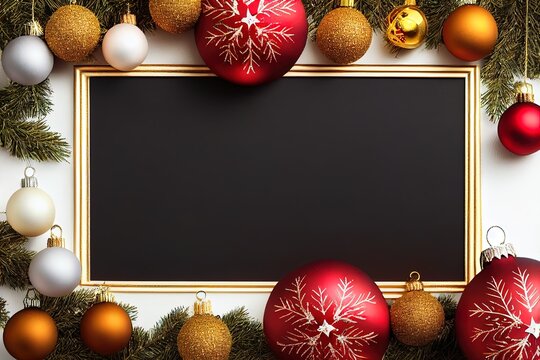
x=248, y=42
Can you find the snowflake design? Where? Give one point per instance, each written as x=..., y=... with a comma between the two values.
x=250, y=39
x=338, y=336
x=503, y=321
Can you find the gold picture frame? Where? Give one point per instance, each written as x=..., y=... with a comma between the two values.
x=472, y=235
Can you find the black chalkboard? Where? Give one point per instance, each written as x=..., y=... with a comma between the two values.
x=196, y=179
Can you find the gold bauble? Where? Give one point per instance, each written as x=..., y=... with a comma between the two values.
x=204, y=336
x=417, y=318
x=470, y=32
x=106, y=328
x=407, y=26
x=344, y=35
x=175, y=16
x=72, y=33
x=30, y=334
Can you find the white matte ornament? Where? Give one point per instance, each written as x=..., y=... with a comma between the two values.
x=125, y=47
x=30, y=211
x=27, y=60
x=55, y=272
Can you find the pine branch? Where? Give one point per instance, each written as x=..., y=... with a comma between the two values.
x=506, y=63
x=27, y=139
x=162, y=342
x=436, y=13
x=20, y=102
x=444, y=348
x=32, y=140
x=14, y=258
x=4, y=316
x=248, y=339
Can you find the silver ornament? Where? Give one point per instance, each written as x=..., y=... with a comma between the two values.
x=30, y=210
x=125, y=46
x=55, y=272
x=27, y=60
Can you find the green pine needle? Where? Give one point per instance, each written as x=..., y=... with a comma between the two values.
x=4, y=316
x=14, y=258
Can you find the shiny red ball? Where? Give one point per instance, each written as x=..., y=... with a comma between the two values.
x=327, y=310
x=251, y=42
x=498, y=315
x=519, y=128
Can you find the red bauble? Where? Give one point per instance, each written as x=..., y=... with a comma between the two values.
x=327, y=310
x=519, y=128
x=498, y=316
x=250, y=42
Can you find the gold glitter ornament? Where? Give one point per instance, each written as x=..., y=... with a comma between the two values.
x=72, y=33
x=407, y=26
x=204, y=336
x=344, y=34
x=175, y=16
x=417, y=318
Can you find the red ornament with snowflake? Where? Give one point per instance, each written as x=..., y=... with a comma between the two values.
x=327, y=310
x=498, y=315
x=250, y=42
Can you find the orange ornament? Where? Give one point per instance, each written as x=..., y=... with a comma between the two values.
x=470, y=32
x=106, y=328
x=30, y=334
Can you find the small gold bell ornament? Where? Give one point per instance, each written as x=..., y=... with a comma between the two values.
x=204, y=336
x=407, y=26
x=417, y=318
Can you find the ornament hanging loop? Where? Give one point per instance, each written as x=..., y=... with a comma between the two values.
x=32, y=298
x=29, y=179
x=202, y=306
x=414, y=283
x=502, y=231
x=56, y=239
x=201, y=295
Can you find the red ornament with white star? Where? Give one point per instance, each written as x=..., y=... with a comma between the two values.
x=327, y=310
x=498, y=315
x=251, y=42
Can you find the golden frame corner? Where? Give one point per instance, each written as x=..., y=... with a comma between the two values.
x=472, y=235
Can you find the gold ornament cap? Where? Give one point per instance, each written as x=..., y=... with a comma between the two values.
x=129, y=18
x=414, y=283
x=34, y=28
x=104, y=295
x=345, y=3
x=202, y=306
x=55, y=240
x=496, y=251
x=524, y=92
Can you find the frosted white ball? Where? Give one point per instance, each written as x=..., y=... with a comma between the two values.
x=55, y=272
x=30, y=211
x=27, y=60
x=125, y=47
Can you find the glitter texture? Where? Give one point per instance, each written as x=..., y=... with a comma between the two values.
x=175, y=16
x=204, y=337
x=417, y=318
x=344, y=35
x=72, y=33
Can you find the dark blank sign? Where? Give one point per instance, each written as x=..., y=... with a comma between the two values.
x=195, y=179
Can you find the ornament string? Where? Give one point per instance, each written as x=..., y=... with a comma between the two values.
x=33, y=27
x=526, y=39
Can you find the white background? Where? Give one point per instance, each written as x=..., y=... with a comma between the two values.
x=510, y=184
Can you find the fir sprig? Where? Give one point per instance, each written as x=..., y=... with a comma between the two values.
x=3, y=313
x=506, y=64
x=249, y=341
x=14, y=258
